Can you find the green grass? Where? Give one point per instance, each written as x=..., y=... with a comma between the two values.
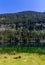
x=39, y=50
x=29, y=56
x=26, y=59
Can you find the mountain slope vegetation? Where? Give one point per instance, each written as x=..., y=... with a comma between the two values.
x=26, y=26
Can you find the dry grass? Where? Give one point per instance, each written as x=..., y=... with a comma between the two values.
x=26, y=59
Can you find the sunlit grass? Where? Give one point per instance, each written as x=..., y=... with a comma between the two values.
x=26, y=59
x=29, y=56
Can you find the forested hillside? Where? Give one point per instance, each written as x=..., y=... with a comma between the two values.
x=26, y=19
x=27, y=26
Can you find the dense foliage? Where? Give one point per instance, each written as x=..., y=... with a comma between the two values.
x=29, y=27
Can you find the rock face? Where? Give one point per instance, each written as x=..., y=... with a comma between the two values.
x=7, y=26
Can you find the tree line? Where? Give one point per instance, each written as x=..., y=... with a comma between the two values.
x=15, y=36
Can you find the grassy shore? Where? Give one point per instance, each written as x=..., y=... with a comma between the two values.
x=26, y=59
x=29, y=56
x=39, y=50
